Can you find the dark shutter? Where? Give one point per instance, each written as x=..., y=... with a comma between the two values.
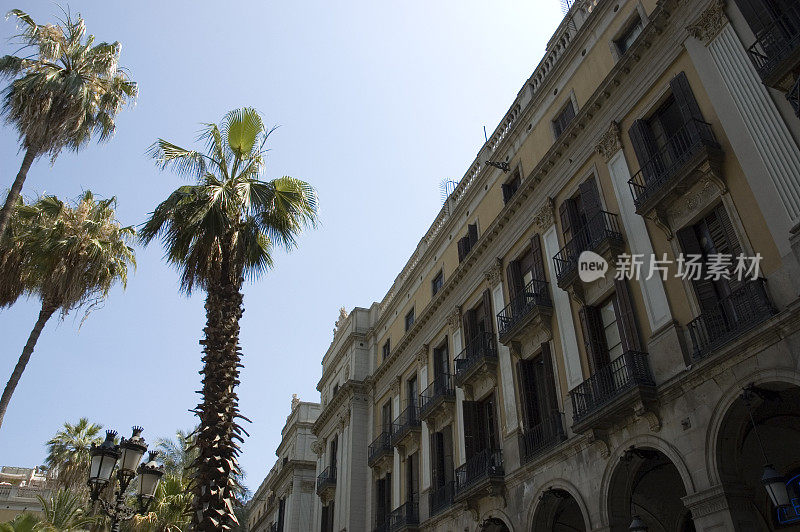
x=537, y=269
x=514, y=279
x=508, y=191
x=590, y=197
x=487, y=311
x=527, y=392
x=462, y=248
x=437, y=478
x=472, y=234
x=644, y=145
x=733, y=248
x=684, y=97
x=626, y=317
x=551, y=403
x=570, y=221
x=468, y=321
x=703, y=288
x=593, y=337
x=471, y=428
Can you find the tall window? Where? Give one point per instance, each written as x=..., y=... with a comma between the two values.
x=608, y=317
x=563, y=119
x=466, y=243
x=412, y=392
x=629, y=36
x=537, y=388
x=478, y=320
x=528, y=267
x=579, y=212
x=437, y=282
x=386, y=349
x=410, y=319
x=610, y=329
x=480, y=426
x=441, y=360
x=510, y=187
x=386, y=416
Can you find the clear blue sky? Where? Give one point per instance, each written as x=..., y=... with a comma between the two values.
x=378, y=102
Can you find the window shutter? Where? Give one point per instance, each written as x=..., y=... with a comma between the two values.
x=684, y=97
x=590, y=197
x=734, y=248
x=487, y=310
x=594, y=340
x=550, y=404
x=462, y=248
x=514, y=278
x=472, y=234
x=471, y=427
x=570, y=221
x=537, y=270
x=468, y=322
x=626, y=317
x=644, y=146
x=527, y=391
x=507, y=192
x=703, y=288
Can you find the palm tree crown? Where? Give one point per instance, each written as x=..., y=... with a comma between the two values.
x=68, y=452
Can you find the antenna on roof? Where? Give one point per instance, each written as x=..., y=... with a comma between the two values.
x=566, y=5
x=446, y=187
x=485, y=137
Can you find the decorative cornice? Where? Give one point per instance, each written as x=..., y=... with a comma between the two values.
x=610, y=143
x=544, y=217
x=454, y=319
x=710, y=23
x=422, y=356
x=494, y=274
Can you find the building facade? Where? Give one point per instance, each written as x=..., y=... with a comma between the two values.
x=285, y=499
x=494, y=389
x=20, y=489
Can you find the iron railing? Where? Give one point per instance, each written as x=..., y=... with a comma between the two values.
x=440, y=388
x=484, y=465
x=535, y=294
x=794, y=96
x=378, y=448
x=602, y=226
x=441, y=498
x=627, y=371
x=742, y=309
x=777, y=41
x=405, y=515
x=481, y=347
x=655, y=173
x=406, y=421
x=538, y=438
x=326, y=479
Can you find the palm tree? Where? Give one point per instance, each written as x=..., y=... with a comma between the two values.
x=23, y=522
x=66, y=90
x=218, y=232
x=64, y=512
x=69, y=257
x=170, y=509
x=68, y=452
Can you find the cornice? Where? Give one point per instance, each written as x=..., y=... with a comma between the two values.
x=338, y=353
x=350, y=389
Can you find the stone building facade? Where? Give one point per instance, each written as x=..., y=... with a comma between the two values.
x=492, y=389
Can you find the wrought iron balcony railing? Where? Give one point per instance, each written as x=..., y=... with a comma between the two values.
x=655, y=174
x=440, y=498
x=602, y=226
x=326, y=479
x=440, y=389
x=535, y=294
x=382, y=446
x=407, y=420
x=404, y=516
x=777, y=41
x=535, y=440
x=741, y=310
x=627, y=371
x=382, y=527
x=484, y=465
x=481, y=347
x=794, y=96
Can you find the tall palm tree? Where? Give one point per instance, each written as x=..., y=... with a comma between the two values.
x=66, y=90
x=68, y=452
x=67, y=256
x=218, y=232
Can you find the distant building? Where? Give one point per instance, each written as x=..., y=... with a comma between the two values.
x=19, y=488
x=285, y=499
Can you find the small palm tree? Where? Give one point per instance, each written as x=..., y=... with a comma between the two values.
x=64, y=512
x=69, y=257
x=68, y=452
x=170, y=510
x=66, y=90
x=24, y=522
x=218, y=232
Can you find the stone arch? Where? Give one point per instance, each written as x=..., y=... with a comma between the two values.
x=494, y=521
x=562, y=485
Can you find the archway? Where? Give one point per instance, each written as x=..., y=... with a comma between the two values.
x=741, y=457
x=558, y=511
x=646, y=483
x=493, y=524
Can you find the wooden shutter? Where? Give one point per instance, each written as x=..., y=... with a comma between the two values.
x=644, y=146
x=527, y=392
x=684, y=97
x=570, y=221
x=626, y=317
x=468, y=322
x=734, y=248
x=551, y=395
x=703, y=288
x=590, y=197
x=487, y=310
x=508, y=191
x=472, y=234
x=462, y=248
x=537, y=268
x=436, y=479
x=471, y=428
x=593, y=337
x=514, y=278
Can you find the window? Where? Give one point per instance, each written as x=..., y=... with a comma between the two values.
x=412, y=391
x=563, y=119
x=628, y=37
x=386, y=416
x=529, y=267
x=386, y=349
x=577, y=212
x=441, y=360
x=437, y=282
x=409, y=319
x=608, y=317
x=335, y=390
x=466, y=243
x=510, y=187
x=537, y=388
x=480, y=426
x=610, y=329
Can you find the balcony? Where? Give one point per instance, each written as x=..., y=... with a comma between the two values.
x=601, y=234
x=743, y=309
x=406, y=426
x=406, y=517
x=776, y=52
x=438, y=398
x=380, y=450
x=535, y=440
x=441, y=498
x=527, y=317
x=478, y=358
x=687, y=155
x=794, y=97
x=613, y=392
x=326, y=482
x=481, y=475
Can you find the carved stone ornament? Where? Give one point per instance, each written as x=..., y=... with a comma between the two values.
x=317, y=447
x=307, y=486
x=422, y=356
x=454, y=319
x=610, y=143
x=295, y=402
x=344, y=420
x=495, y=273
x=544, y=217
x=710, y=23
x=340, y=322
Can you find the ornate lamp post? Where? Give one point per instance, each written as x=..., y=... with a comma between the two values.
x=127, y=455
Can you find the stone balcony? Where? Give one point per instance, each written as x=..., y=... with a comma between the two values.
x=326, y=483
x=482, y=475
x=776, y=52
x=477, y=361
x=601, y=234
x=438, y=399
x=527, y=319
x=380, y=451
x=407, y=426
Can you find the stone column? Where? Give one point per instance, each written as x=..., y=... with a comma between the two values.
x=719, y=508
x=424, y=443
x=458, y=421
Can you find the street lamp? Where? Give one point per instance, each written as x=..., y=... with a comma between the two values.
x=125, y=457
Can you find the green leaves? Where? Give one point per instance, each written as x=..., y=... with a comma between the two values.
x=242, y=128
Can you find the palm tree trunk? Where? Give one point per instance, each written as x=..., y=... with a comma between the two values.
x=13, y=194
x=216, y=468
x=47, y=310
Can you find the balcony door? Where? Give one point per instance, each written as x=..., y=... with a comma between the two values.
x=412, y=392
x=442, y=457
x=441, y=361
x=386, y=416
x=477, y=322
x=412, y=478
x=480, y=426
x=537, y=388
x=610, y=329
x=383, y=489
x=334, y=449
x=762, y=14
x=577, y=215
x=527, y=268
